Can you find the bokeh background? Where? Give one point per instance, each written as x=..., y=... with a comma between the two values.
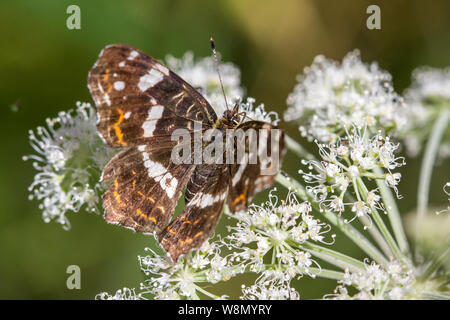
x=44, y=66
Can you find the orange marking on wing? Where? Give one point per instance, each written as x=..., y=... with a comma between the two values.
x=170, y=230
x=116, y=194
x=197, y=221
x=142, y=214
x=152, y=219
x=188, y=240
x=133, y=172
x=198, y=234
x=187, y=221
x=161, y=208
x=144, y=196
x=239, y=199
x=106, y=76
x=242, y=196
x=117, y=130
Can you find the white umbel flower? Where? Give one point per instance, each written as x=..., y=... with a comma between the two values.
x=426, y=98
x=202, y=75
x=69, y=159
x=331, y=97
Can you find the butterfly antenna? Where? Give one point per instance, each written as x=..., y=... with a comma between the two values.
x=213, y=48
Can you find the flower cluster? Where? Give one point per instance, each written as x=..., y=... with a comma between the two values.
x=168, y=280
x=202, y=75
x=121, y=294
x=330, y=98
x=269, y=291
x=70, y=156
x=376, y=283
x=272, y=240
x=343, y=165
x=426, y=98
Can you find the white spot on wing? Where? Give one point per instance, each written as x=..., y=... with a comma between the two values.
x=133, y=55
x=206, y=200
x=153, y=77
x=119, y=85
x=127, y=115
x=155, y=169
x=162, y=69
x=107, y=100
x=159, y=173
x=122, y=64
x=154, y=114
x=169, y=184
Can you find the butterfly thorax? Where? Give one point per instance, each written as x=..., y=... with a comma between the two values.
x=231, y=119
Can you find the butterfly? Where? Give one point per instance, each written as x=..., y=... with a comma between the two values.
x=140, y=104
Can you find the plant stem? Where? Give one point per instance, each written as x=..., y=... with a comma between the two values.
x=338, y=259
x=436, y=264
x=393, y=212
x=426, y=169
x=295, y=147
x=374, y=232
x=347, y=229
x=379, y=222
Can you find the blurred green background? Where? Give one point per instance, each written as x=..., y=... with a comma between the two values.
x=44, y=66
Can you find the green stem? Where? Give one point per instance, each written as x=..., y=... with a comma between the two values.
x=295, y=147
x=426, y=169
x=379, y=222
x=319, y=272
x=206, y=293
x=393, y=212
x=436, y=264
x=436, y=295
x=338, y=259
x=374, y=232
x=347, y=229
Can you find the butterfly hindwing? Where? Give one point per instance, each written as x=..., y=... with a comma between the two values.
x=140, y=101
x=247, y=177
x=145, y=188
x=201, y=214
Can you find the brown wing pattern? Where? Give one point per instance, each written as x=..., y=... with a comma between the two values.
x=140, y=101
x=145, y=188
x=247, y=178
x=200, y=216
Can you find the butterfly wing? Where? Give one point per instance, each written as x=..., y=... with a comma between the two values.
x=140, y=101
x=145, y=188
x=256, y=169
x=201, y=214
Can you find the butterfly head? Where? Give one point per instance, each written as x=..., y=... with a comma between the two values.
x=233, y=118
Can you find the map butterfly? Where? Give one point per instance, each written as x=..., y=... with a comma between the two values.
x=140, y=104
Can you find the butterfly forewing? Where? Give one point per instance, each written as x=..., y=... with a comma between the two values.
x=140, y=101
